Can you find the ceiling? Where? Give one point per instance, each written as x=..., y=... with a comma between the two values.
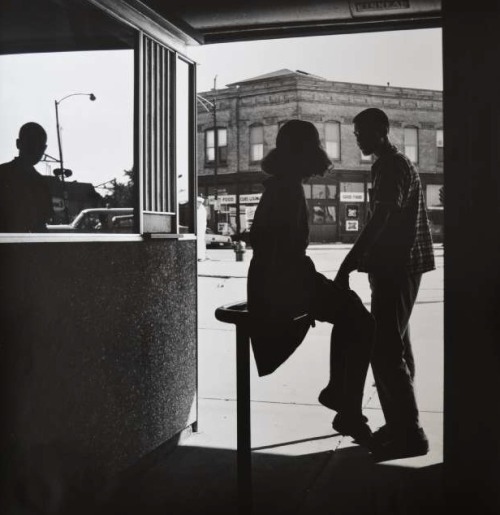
x=237, y=20
x=63, y=25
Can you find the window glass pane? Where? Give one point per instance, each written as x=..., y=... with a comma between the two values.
x=307, y=190
x=332, y=149
x=210, y=138
x=332, y=131
x=432, y=195
x=352, y=187
x=410, y=136
x=439, y=138
x=257, y=152
x=94, y=91
x=318, y=191
x=222, y=138
x=331, y=215
x=182, y=131
x=223, y=154
x=331, y=191
x=411, y=153
x=211, y=154
x=256, y=135
x=318, y=215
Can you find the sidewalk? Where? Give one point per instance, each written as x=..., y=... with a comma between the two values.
x=300, y=465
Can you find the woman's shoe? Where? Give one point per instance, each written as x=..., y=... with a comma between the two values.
x=327, y=399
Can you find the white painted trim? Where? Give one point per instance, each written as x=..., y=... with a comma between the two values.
x=85, y=237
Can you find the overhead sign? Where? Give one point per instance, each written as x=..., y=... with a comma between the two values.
x=380, y=5
x=352, y=196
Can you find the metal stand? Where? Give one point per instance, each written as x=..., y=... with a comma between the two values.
x=237, y=314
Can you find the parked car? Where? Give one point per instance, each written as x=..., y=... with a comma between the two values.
x=217, y=240
x=102, y=220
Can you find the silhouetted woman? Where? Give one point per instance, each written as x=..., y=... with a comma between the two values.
x=283, y=283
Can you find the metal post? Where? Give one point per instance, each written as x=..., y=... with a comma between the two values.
x=244, y=460
x=61, y=163
x=216, y=157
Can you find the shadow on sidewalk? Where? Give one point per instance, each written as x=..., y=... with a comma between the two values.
x=200, y=480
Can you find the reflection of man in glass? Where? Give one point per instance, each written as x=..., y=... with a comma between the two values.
x=25, y=202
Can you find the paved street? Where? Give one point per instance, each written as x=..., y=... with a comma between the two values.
x=288, y=422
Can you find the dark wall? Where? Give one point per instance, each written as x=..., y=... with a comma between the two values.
x=471, y=46
x=98, y=351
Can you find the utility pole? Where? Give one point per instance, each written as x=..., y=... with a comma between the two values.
x=216, y=157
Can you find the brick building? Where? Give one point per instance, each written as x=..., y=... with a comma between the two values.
x=248, y=115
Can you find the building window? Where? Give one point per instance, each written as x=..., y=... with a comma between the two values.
x=322, y=204
x=256, y=143
x=440, y=145
x=332, y=140
x=432, y=195
x=210, y=146
x=411, y=143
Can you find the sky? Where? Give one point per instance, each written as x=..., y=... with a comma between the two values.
x=409, y=58
x=97, y=137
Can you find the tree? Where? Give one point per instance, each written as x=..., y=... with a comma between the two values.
x=122, y=194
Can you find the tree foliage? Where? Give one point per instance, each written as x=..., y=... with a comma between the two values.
x=122, y=194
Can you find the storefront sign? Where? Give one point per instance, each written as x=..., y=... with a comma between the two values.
x=351, y=225
x=352, y=196
x=252, y=198
x=222, y=199
x=352, y=211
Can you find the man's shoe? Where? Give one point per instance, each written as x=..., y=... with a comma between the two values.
x=405, y=444
x=382, y=434
x=357, y=428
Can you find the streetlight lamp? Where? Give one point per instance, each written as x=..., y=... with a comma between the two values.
x=61, y=172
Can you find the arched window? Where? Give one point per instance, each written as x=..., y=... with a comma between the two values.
x=256, y=143
x=411, y=143
x=332, y=140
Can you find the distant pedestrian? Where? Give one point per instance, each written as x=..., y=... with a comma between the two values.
x=201, y=213
x=283, y=283
x=395, y=249
x=25, y=201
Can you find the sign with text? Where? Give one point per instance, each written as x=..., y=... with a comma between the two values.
x=252, y=198
x=222, y=199
x=352, y=196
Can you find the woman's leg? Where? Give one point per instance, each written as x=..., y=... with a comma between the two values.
x=350, y=345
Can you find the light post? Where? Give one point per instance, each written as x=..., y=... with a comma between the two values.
x=212, y=107
x=61, y=172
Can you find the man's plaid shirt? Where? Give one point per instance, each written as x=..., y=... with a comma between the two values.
x=406, y=243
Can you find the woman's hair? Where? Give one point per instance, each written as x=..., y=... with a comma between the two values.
x=298, y=152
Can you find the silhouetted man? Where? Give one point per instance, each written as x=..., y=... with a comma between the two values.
x=25, y=201
x=395, y=249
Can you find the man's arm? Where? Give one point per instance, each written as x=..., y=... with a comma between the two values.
x=363, y=245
